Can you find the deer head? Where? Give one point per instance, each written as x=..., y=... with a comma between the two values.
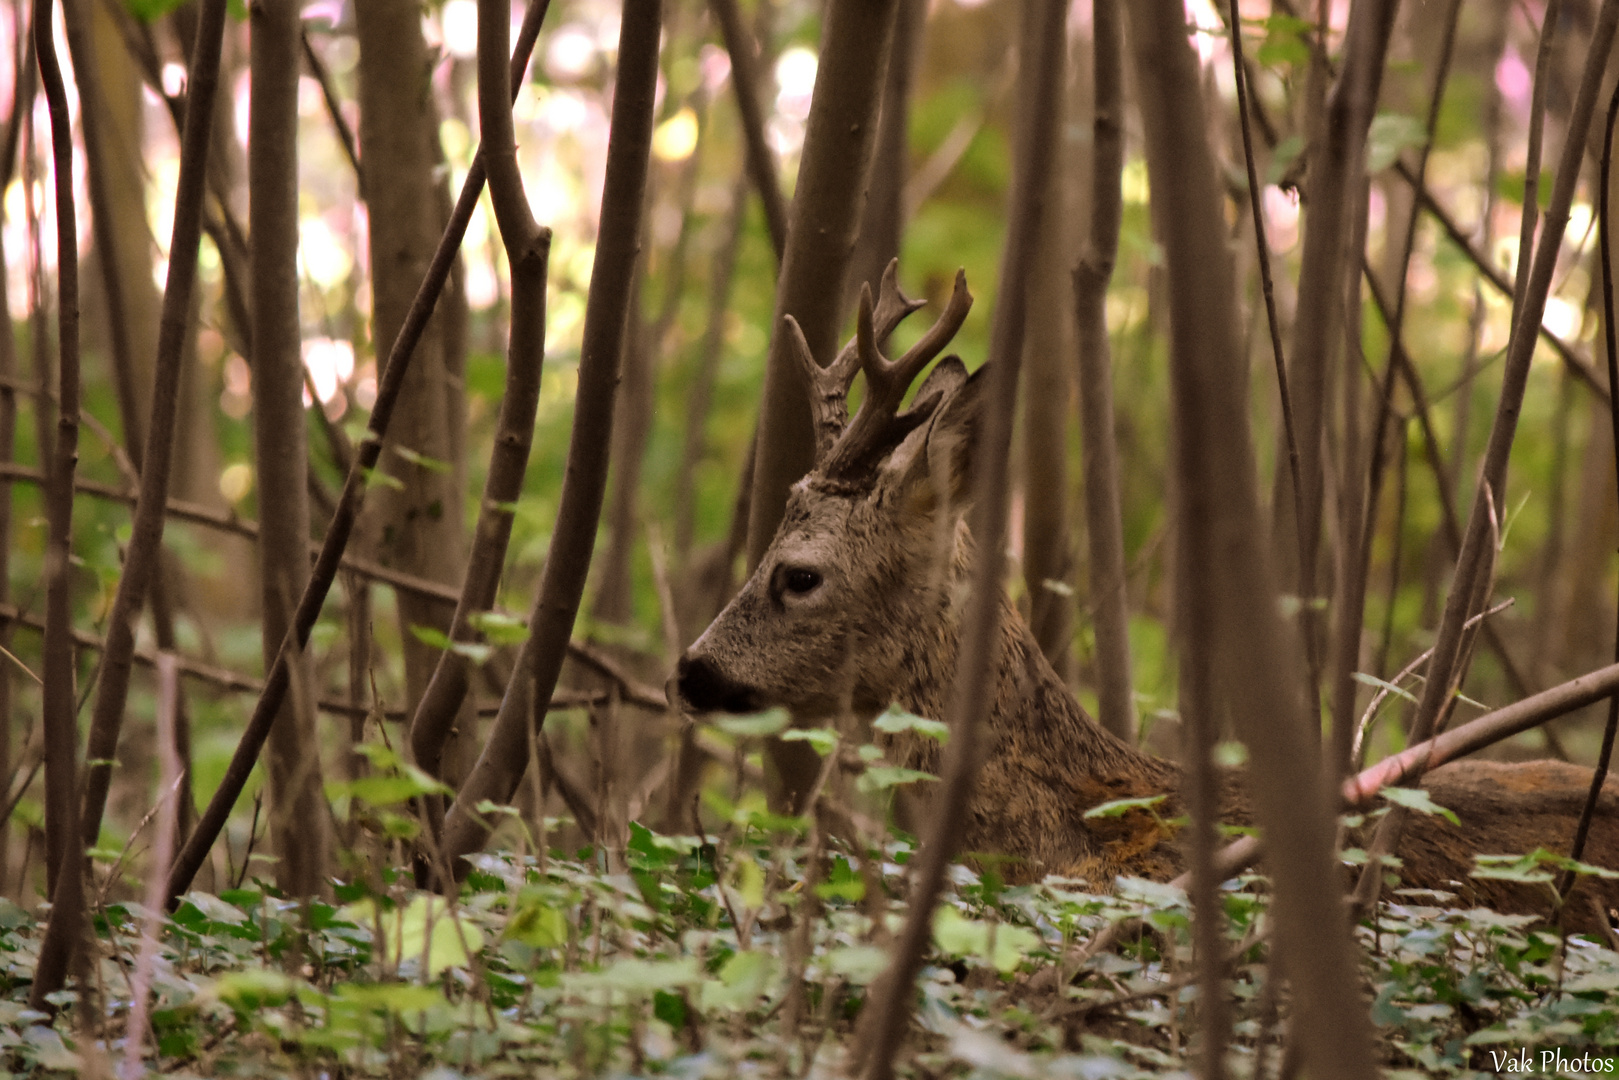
x=857, y=588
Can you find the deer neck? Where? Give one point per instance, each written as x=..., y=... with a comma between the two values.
x=1035, y=727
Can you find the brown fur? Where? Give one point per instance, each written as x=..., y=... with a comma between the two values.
x=883, y=625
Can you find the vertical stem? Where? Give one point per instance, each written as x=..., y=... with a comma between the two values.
x=1104, y=526
x=824, y=223
x=1226, y=590
x=338, y=531
x=500, y=766
x=142, y=565
x=59, y=716
x=888, y=1011
x=298, y=815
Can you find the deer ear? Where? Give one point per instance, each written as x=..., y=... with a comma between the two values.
x=953, y=439
x=934, y=463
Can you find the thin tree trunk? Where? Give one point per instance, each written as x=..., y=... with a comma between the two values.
x=893, y=997
x=22, y=99
x=338, y=532
x=825, y=218
x=299, y=821
x=1472, y=564
x=1318, y=319
x=1048, y=395
x=63, y=853
x=153, y=453
x=883, y=226
x=1104, y=528
x=505, y=756
x=418, y=525
x=1225, y=587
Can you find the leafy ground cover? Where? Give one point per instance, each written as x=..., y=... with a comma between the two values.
x=725, y=956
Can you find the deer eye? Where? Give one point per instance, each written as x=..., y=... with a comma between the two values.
x=798, y=580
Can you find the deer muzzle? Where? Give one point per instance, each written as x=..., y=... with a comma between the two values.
x=703, y=687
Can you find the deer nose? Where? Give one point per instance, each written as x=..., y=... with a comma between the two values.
x=705, y=688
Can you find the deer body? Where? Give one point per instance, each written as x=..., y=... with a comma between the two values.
x=858, y=603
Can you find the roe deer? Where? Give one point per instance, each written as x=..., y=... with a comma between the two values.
x=857, y=604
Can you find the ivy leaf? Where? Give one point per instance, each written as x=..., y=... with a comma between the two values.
x=822, y=740
x=754, y=725
x=896, y=720
x=1418, y=800
x=498, y=628
x=883, y=777
x=1120, y=807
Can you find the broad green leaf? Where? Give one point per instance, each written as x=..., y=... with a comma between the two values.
x=431, y=636
x=748, y=881
x=859, y=964
x=1418, y=800
x=754, y=725
x=538, y=924
x=1000, y=945
x=425, y=931
x=1120, y=807
x=638, y=978
x=498, y=628
x=254, y=988
x=1391, y=133
x=882, y=777
x=822, y=740
x=743, y=980
x=390, y=997
x=896, y=720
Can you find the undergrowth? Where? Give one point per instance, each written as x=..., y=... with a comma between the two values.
x=681, y=957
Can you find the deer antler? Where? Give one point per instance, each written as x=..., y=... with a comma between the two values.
x=879, y=425
x=829, y=386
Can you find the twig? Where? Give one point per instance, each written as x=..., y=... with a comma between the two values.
x=1611, y=340
x=334, y=108
x=745, y=80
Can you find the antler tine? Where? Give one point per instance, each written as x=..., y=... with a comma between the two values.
x=878, y=425
x=892, y=308
x=828, y=389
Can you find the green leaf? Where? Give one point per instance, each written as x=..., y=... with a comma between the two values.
x=638, y=978
x=1418, y=800
x=754, y=725
x=883, y=777
x=390, y=997
x=743, y=980
x=424, y=930
x=1120, y=807
x=376, y=478
x=538, y=924
x=1004, y=947
x=149, y=11
x=1391, y=133
x=859, y=964
x=422, y=460
x=822, y=740
x=1381, y=684
x=748, y=881
x=254, y=988
x=896, y=720
x=431, y=636
x=499, y=629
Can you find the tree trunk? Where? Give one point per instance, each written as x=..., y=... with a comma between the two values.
x=299, y=819
x=419, y=526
